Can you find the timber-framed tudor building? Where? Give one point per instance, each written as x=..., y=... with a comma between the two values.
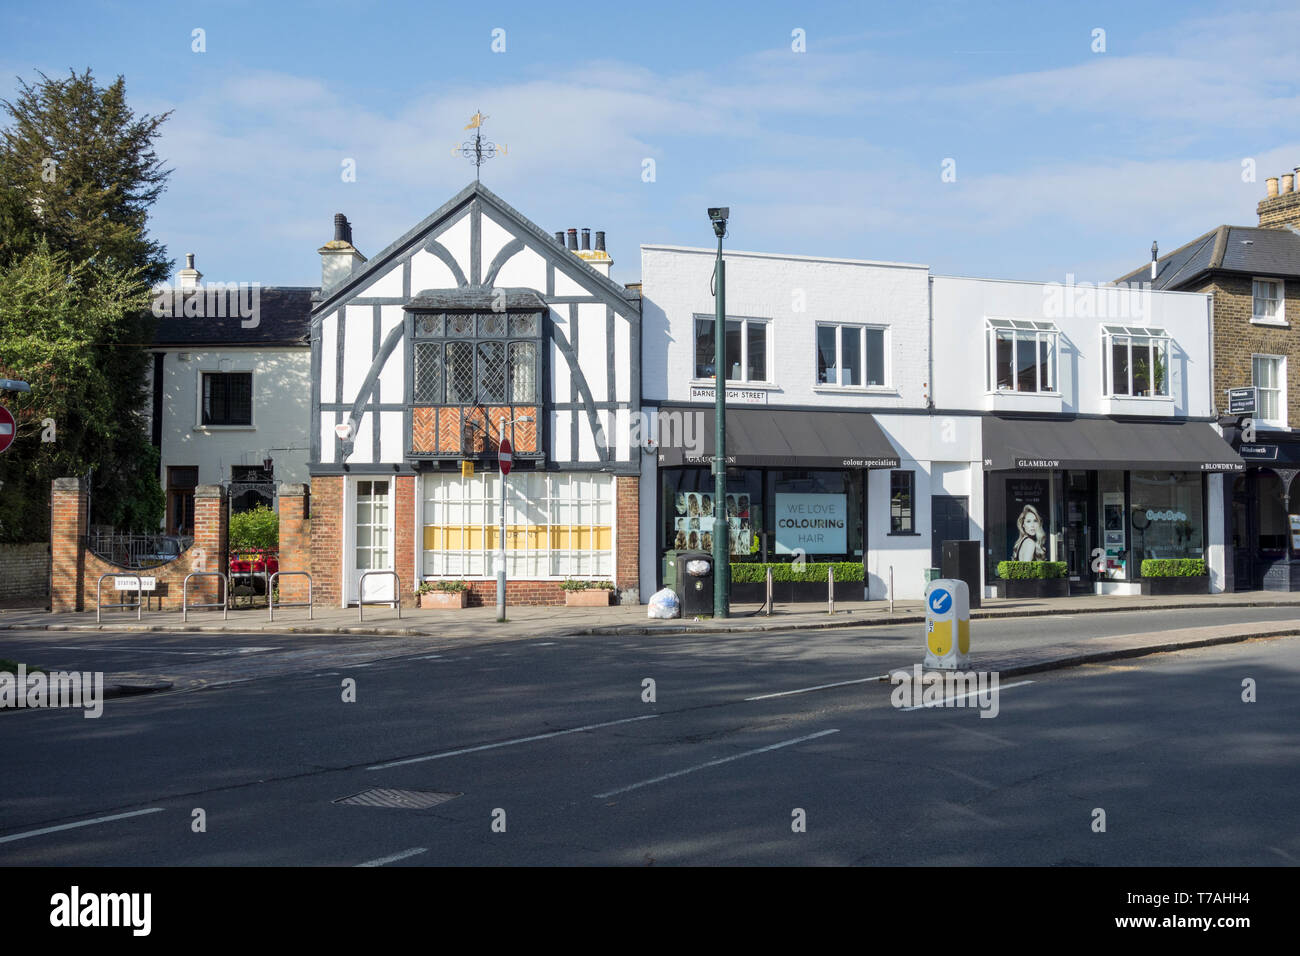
x=474, y=324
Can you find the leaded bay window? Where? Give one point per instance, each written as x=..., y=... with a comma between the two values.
x=486, y=358
x=557, y=525
x=1022, y=355
x=1136, y=361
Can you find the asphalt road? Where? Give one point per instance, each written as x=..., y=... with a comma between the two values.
x=1185, y=771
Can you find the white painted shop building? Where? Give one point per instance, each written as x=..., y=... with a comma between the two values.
x=899, y=407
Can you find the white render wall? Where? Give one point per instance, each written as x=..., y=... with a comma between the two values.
x=794, y=293
x=962, y=305
x=281, y=412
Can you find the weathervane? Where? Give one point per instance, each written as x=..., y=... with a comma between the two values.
x=478, y=151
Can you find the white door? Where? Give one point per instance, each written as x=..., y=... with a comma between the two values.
x=371, y=539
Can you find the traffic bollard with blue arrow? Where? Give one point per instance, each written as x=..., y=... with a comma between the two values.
x=947, y=624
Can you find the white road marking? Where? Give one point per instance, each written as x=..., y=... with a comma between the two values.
x=545, y=644
x=964, y=696
x=431, y=657
x=714, y=763
x=215, y=652
x=414, y=851
x=806, y=690
x=509, y=743
x=73, y=826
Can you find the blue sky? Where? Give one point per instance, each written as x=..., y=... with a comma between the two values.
x=1067, y=160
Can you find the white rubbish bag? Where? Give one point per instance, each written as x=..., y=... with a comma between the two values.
x=664, y=604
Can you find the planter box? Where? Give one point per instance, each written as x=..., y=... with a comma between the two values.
x=1191, y=585
x=443, y=599
x=591, y=597
x=1032, y=588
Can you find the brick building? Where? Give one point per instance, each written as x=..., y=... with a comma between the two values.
x=1253, y=275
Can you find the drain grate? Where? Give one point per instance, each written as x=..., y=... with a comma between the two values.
x=398, y=799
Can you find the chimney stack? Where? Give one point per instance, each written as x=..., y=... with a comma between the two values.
x=339, y=259
x=1280, y=208
x=597, y=258
x=189, y=277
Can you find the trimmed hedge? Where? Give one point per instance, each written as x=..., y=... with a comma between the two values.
x=1029, y=570
x=1174, y=568
x=756, y=573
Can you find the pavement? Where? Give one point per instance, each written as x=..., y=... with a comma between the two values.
x=384, y=635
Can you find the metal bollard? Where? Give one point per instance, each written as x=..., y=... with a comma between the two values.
x=770, y=601
x=891, y=589
x=830, y=589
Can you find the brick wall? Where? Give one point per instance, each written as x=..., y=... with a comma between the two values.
x=76, y=571
x=484, y=593
x=24, y=574
x=627, y=559
x=295, y=542
x=326, y=530
x=1237, y=339
x=405, y=521
x=1280, y=210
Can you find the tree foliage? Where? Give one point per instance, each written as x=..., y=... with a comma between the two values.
x=78, y=173
x=255, y=529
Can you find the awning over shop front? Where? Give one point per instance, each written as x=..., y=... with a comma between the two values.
x=775, y=438
x=1103, y=443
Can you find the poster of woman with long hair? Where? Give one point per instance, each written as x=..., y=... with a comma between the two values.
x=1031, y=545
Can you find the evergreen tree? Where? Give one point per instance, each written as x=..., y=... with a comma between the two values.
x=78, y=173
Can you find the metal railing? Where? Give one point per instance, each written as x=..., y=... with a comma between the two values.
x=137, y=552
x=224, y=603
x=99, y=594
x=361, y=594
x=270, y=594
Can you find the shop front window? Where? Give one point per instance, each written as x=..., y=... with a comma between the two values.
x=1165, y=515
x=557, y=525
x=692, y=517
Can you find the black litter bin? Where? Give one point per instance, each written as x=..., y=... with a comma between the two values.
x=694, y=585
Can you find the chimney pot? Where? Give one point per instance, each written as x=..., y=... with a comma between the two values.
x=1288, y=181
x=340, y=227
x=1270, y=186
x=600, y=241
x=559, y=236
x=586, y=239
x=189, y=260
x=573, y=240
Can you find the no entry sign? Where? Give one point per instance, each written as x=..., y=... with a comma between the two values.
x=503, y=456
x=7, y=429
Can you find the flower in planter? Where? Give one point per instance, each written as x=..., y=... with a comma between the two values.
x=452, y=586
x=573, y=584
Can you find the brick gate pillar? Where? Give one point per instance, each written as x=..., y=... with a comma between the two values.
x=211, y=535
x=627, y=567
x=68, y=517
x=295, y=541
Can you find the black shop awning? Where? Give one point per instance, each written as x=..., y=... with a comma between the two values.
x=775, y=438
x=1105, y=443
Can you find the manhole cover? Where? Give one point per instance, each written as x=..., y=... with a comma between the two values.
x=398, y=799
